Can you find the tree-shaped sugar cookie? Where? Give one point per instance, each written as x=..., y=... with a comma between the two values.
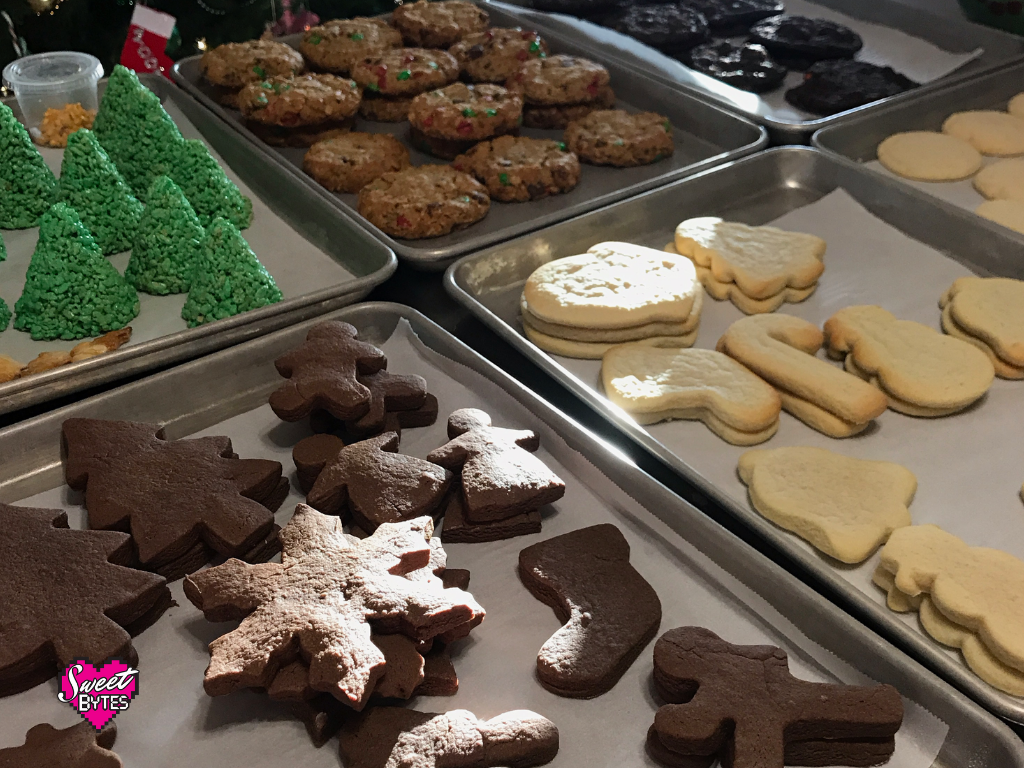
x=91, y=185
x=80, y=746
x=742, y=701
x=322, y=374
x=320, y=602
x=989, y=313
x=500, y=476
x=27, y=185
x=167, y=243
x=761, y=261
x=845, y=507
x=69, y=594
x=173, y=495
x=378, y=484
x=212, y=194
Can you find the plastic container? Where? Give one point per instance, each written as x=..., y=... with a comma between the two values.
x=52, y=80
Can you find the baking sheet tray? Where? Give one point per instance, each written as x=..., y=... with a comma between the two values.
x=320, y=263
x=858, y=138
x=968, y=465
x=881, y=23
x=703, y=574
x=704, y=136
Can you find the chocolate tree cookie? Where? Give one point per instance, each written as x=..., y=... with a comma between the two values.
x=669, y=27
x=616, y=137
x=835, y=86
x=519, y=169
x=231, y=66
x=428, y=201
x=799, y=39
x=438, y=24
x=300, y=110
x=730, y=18
x=559, y=80
x=405, y=71
x=559, y=116
x=493, y=56
x=337, y=45
x=747, y=66
x=348, y=163
x=449, y=121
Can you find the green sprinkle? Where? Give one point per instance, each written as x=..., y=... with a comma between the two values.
x=667, y=126
x=503, y=178
x=464, y=198
x=315, y=40
x=373, y=87
x=260, y=71
x=262, y=99
x=658, y=157
x=561, y=145
x=491, y=113
x=266, y=85
x=534, y=46
x=620, y=143
x=542, y=55
x=467, y=112
x=433, y=65
x=356, y=36
x=405, y=74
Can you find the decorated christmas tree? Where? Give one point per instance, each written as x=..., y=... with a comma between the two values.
x=27, y=186
x=208, y=188
x=5, y=315
x=228, y=278
x=91, y=185
x=136, y=132
x=167, y=242
x=71, y=290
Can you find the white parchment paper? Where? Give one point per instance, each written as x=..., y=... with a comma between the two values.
x=918, y=59
x=297, y=265
x=173, y=723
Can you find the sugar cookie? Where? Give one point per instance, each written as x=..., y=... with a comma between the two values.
x=1003, y=369
x=896, y=600
x=1016, y=105
x=655, y=384
x=991, y=308
x=1009, y=213
x=1003, y=180
x=923, y=372
x=929, y=156
x=761, y=261
x=988, y=131
x=781, y=349
x=594, y=350
x=613, y=285
x=843, y=506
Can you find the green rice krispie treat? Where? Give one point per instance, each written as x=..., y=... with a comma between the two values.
x=3, y=249
x=167, y=242
x=228, y=278
x=136, y=132
x=91, y=185
x=208, y=188
x=27, y=186
x=71, y=290
x=5, y=315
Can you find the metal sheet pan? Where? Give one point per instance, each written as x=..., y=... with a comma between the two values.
x=950, y=34
x=757, y=190
x=704, y=574
x=705, y=135
x=364, y=262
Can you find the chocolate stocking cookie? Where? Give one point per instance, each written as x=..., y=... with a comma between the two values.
x=67, y=596
x=80, y=746
x=316, y=603
x=378, y=484
x=500, y=476
x=322, y=374
x=182, y=500
x=741, y=701
x=609, y=610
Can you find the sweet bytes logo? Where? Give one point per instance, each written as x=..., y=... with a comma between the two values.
x=98, y=694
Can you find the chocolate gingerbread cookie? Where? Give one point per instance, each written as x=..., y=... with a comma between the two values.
x=426, y=201
x=336, y=46
x=619, y=138
x=311, y=454
x=669, y=27
x=80, y=746
x=836, y=86
x=458, y=529
x=403, y=72
x=438, y=24
x=519, y=169
x=389, y=393
x=494, y=55
x=610, y=611
x=747, y=66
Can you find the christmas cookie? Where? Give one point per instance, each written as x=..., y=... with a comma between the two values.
x=427, y=201
x=438, y=24
x=670, y=28
x=348, y=163
x=619, y=138
x=385, y=109
x=556, y=80
x=989, y=312
x=300, y=110
x=405, y=71
x=804, y=38
x=746, y=66
x=494, y=55
x=449, y=121
x=338, y=45
x=731, y=18
x=233, y=65
x=519, y=169
x=559, y=116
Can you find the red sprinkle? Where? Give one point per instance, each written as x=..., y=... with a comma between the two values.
x=592, y=88
x=427, y=122
x=527, y=35
x=417, y=73
x=464, y=127
x=382, y=69
x=490, y=35
x=522, y=55
x=403, y=222
x=409, y=59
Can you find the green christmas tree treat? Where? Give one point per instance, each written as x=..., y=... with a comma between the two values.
x=228, y=278
x=5, y=315
x=167, y=242
x=3, y=249
x=206, y=186
x=27, y=186
x=71, y=290
x=136, y=132
x=91, y=185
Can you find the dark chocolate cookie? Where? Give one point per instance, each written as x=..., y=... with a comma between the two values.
x=836, y=86
x=728, y=18
x=671, y=27
x=801, y=37
x=747, y=66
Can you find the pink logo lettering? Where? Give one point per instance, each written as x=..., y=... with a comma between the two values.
x=98, y=694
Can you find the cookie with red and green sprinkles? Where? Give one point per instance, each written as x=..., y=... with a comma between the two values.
x=233, y=65
x=559, y=116
x=336, y=46
x=495, y=55
x=560, y=79
x=466, y=112
x=350, y=162
x=438, y=24
x=421, y=202
x=405, y=71
x=299, y=111
x=619, y=138
x=385, y=109
x=520, y=169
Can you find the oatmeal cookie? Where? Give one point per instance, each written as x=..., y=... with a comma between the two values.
x=560, y=116
x=615, y=137
x=466, y=112
x=438, y=24
x=385, y=109
x=338, y=45
x=301, y=100
x=517, y=170
x=494, y=56
x=559, y=80
x=234, y=65
x=428, y=201
x=405, y=71
x=348, y=163
x=669, y=27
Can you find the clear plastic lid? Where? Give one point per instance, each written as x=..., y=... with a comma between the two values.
x=60, y=71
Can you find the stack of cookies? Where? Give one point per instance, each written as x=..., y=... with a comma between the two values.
x=392, y=78
x=757, y=268
x=560, y=89
x=988, y=312
x=615, y=293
